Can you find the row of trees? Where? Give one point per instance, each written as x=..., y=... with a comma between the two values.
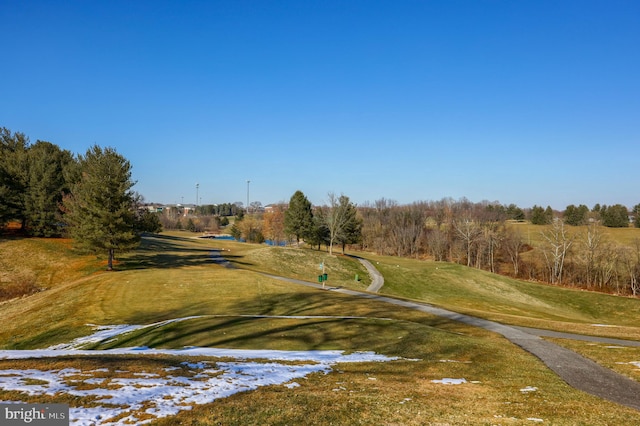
x=481, y=235
x=336, y=223
x=616, y=216
x=51, y=192
x=210, y=218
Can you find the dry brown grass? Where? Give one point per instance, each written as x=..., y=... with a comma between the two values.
x=29, y=265
x=173, y=279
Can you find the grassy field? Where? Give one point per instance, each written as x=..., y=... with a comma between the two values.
x=532, y=234
x=172, y=276
x=510, y=301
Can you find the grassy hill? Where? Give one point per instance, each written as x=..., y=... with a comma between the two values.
x=172, y=276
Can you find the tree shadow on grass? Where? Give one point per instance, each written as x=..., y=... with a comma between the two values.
x=304, y=321
x=160, y=251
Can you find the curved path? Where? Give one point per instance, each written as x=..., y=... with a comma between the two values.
x=377, y=280
x=577, y=371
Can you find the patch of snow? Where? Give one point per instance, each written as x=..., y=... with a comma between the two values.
x=448, y=381
x=535, y=419
x=529, y=389
x=156, y=396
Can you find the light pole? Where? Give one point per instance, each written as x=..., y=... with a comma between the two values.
x=197, y=187
x=248, y=182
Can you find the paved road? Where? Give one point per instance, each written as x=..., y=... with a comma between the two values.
x=577, y=371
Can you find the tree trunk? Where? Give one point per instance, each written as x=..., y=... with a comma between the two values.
x=110, y=260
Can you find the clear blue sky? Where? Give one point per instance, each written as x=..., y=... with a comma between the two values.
x=525, y=102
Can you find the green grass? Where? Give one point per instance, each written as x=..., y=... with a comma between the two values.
x=532, y=234
x=172, y=277
x=508, y=300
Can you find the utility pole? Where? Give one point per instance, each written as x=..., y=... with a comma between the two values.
x=248, y=182
x=197, y=187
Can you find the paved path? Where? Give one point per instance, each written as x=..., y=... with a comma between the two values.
x=377, y=280
x=577, y=371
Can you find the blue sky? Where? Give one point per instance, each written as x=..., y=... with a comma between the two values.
x=525, y=102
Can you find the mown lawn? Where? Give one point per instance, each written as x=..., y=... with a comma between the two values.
x=172, y=277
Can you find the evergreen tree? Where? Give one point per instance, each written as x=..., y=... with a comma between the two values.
x=576, y=215
x=147, y=221
x=616, y=216
x=636, y=214
x=13, y=175
x=352, y=230
x=514, y=212
x=298, y=219
x=46, y=185
x=100, y=209
x=538, y=216
x=319, y=233
x=235, y=231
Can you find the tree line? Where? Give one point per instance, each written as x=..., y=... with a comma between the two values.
x=571, y=248
x=486, y=236
x=334, y=224
x=50, y=192
x=209, y=218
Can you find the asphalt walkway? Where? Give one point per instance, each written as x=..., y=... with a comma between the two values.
x=577, y=371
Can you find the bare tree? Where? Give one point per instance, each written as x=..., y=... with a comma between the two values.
x=337, y=217
x=557, y=245
x=407, y=228
x=631, y=264
x=592, y=246
x=437, y=243
x=513, y=245
x=607, y=265
x=468, y=232
x=491, y=237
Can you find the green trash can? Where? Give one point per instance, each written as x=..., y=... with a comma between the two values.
x=357, y=277
x=324, y=277
x=319, y=278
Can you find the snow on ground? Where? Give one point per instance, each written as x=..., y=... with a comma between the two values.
x=122, y=398
x=447, y=381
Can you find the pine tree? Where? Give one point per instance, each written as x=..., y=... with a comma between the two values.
x=616, y=216
x=538, y=216
x=352, y=230
x=298, y=219
x=13, y=176
x=46, y=184
x=100, y=209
